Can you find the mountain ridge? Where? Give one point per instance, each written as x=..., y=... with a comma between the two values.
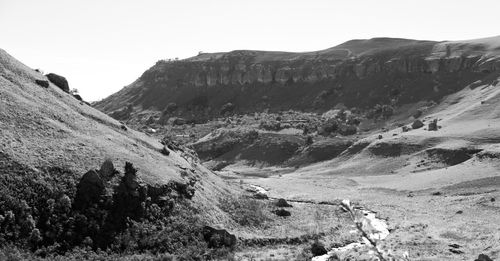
x=390, y=70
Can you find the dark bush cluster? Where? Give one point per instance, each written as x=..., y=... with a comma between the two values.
x=334, y=125
x=380, y=111
x=49, y=214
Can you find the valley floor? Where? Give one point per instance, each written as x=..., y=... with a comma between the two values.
x=431, y=221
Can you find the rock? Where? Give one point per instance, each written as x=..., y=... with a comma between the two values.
x=89, y=190
x=282, y=203
x=260, y=195
x=405, y=129
x=433, y=125
x=437, y=193
x=217, y=238
x=78, y=97
x=483, y=257
x=282, y=212
x=165, y=151
x=43, y=83
x=417, y=124
x=318, y=249
x=456, y=251
x=379, y=137
x=460, y=212
x=59, y=81
x=123, y=127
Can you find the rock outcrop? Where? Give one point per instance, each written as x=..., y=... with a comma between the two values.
x=358, y=73
x=417, y=124
x=59, y=81
x=217, y=238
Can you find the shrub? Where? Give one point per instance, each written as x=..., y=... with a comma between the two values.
x=37, y=214
x=227, y=108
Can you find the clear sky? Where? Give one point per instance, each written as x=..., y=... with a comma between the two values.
x=102, y=45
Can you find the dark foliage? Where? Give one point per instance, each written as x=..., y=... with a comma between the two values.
x=380, y=111
x=44, y=212
x=227, y=108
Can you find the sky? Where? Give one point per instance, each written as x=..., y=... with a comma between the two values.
x=100, y=46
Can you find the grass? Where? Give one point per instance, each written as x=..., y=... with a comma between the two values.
x=245, y=211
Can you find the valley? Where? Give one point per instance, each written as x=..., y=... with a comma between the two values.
x=251, y=155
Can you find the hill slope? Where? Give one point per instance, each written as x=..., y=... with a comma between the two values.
x=49, y=140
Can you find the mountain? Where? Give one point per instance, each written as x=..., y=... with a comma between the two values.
x=357, y=73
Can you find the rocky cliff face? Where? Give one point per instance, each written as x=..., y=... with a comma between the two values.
x=358, y=73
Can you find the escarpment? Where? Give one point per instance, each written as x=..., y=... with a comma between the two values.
x=358, y=73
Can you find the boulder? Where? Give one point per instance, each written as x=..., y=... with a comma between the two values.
x=433, y=126
x=282, y=203
x=78, y=97
x=43, y=83
x=282, y=212
x=165, y=151
x=318, y=249
x=483, y=257
x=260, y=195
x=217, y=238
x=59, y=81
x=89, y=190
x=417, y=124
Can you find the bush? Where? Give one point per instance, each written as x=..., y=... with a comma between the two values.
x=38, y=212
x=227, y=108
